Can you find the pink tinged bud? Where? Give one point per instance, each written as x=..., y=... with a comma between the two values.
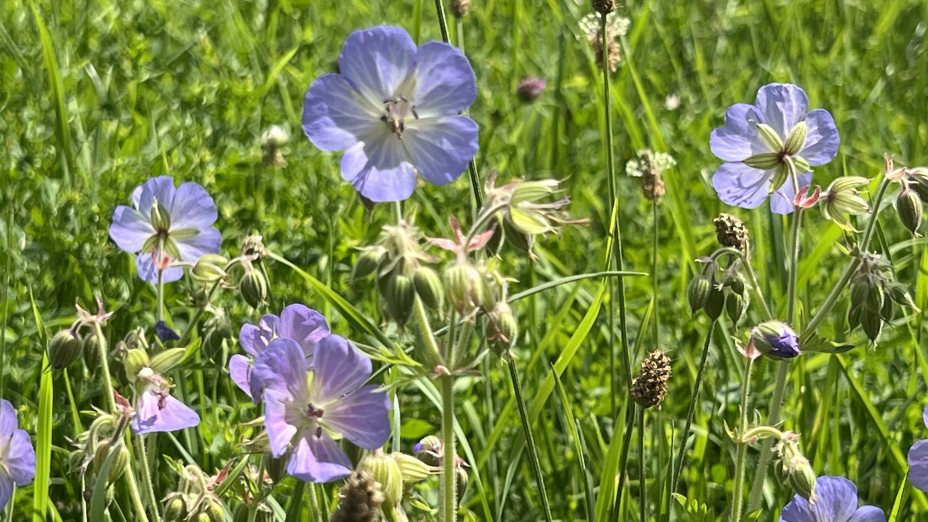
x=804, y=199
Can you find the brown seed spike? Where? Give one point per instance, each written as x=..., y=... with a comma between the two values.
x=731, y=232
x=604, y=6
x=359, y=499
x=649, y=388
x=459, y=8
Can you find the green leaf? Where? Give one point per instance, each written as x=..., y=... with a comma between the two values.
x=43, y=440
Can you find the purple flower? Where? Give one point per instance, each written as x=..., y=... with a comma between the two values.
x=157, y=411
x=775, y=340
x=164, y=225
x=305, y=407
x=17, y=457
x=918, y=460
x=765, y=143
x=297, y=322
x=394, y=110
x=835, y=500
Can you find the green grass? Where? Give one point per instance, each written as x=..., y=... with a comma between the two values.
x=96, y=96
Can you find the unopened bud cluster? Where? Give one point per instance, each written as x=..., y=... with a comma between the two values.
x=194, y=498
x=793, y=468
x=842, y=199
x=909, y=201
x=649, y=388
x=713, y=291
x=66, y=346
x=101, y=448
x=650, y=167
x=376, y=488
x=874, y=295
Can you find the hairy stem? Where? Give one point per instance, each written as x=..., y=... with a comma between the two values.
x=692, y=408
x=449, y=498
x=740, y=460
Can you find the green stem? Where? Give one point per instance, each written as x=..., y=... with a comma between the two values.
x=655, y=322
x=146, y=474
x=136, y=497
x=692, y=409
x=449, y=480
x=159, y=289
x=428, y=337
x=529, y=438
x=738, y=493
x=623, y=462
x=642, y=482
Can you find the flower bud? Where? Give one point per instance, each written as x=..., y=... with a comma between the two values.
x=215, y=509
x=64, y=348
x=775, y=340
x=398, y=292
x=165, y=361
x=503, y=329
x=412, y=469
x=387, y=473
x=715, y=302
x=697, y=293
x=909, y=208
x=734, y=307
x=794, y=468
x=276, y=468
x=90, y=348
x=136, y=360
x=368, y=261
x=175, y=509
x=459, y=8
x=428, y=287
x=118, y=462
x=253, y=287
x=466, y=287
x=203, y=517
x=210, y=268
x=872, y=323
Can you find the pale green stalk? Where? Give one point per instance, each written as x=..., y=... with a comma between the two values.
x=529, y=438
x=738, y=493
x=449, y=498
x=642, y=476
x=691, y=411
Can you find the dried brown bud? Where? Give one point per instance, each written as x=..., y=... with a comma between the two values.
x=650, y=387
x=604, y=6
x=359, y=500
x=459, y=8
x=731, y=232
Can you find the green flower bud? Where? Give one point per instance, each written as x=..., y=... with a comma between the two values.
x=215, y=509
x=136, y=360
x=909, y=208
x=166, y=361
x=466, y=287
x=412, y=469
x=368, y=261
x=176, y=510
x=276, y=467
x=794, y=468
x=386, y=471
x=734, y=307
x=775, y=340
x=117, y=465
x=698, y=292
x=398, y=292
x=886, y=313
x=210, y=268
x=203, y=517
x=872, y=323
x=715, y=302
x=428, y=287
x=90, y=348
x=901, y=296
x=253, y=287
x=64, y=348
x=503, y=329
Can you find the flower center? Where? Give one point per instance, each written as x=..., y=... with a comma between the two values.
x=395, y=112
x=312, y=412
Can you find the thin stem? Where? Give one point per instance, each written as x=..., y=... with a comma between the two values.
x=642, y=482
x=449, y=498
x=692, y=409
x=793, y=269
x=655, y=322
x=529, y=439
x=428, y=337
x=623, y=461
x=136, y=497
x=738, y=494
x=159, y=289
x=315, y=510
x=146, y=473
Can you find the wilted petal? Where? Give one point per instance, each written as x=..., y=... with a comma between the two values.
x=339, y=369
x=317, y=458
x=821, y=145
x=130, y=229
x=157, y=411
x=379, y=169
x=868, y=514
x=254, y=339
x=738, y=139
x=240, y=371
x=377, y=60
x=160, y=189
x=279, y=431
x=304, y=325
x=783, y=105
x=445, y=82
x=441, y=148
x=740, y=185
x=918, y=465
x=282, y=368
x=336, y=116
x=146, y=269
x=193, y=208
x=193, y=248
x=20, y=459
x=361, y=417
x=781, y=201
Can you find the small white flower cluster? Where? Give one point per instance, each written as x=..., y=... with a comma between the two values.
x=647, y=160
x=617, y=26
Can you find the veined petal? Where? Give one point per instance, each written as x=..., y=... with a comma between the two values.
x=798, y=510
x=240, y=372
x=160, y=412
x=918, y=465
x=379, y=169
x=192, y=207
x=282, y=368
x=160, y=188
x=255, y=338
x=206, y=241
x=376, y=61
x=20, y=459
x=279, y=432
x=868, y=514
x=781, y=201
x=362, y=417
x=738, y=139
x=146, y=269
x=304, y=325
x=822, y=140
x=130, y=229
x=445, y=83
x=336, y=115
x=339, y=369
x=837, y=499
x=317, y=458
x=8, y=421
x=440, y=148
x=740, y=185
x=783, y=105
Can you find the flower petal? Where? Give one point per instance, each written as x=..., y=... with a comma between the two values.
x=240, y=371
x=822, y=140
x=130, y=229
x=160, y=412
x=339, y=369
x=797, y=510
x=161, y=189
x=441, y=148
x=255, y=338
x=282, y=368
x=445, y=83
x=376, y=61
x=191, y=249
x=868, y=514
x=8, y=421
x=6, y=489
x=918, y=465
x=379, y=170
x=336, y=115
x=781, y=201
x=304, y=325
x=738, y=139
x=20, y=459
x=146, y=269
x=837, y=498
x=317, y=458
x=279, y=432
x=362, y=417
x=192, y=207
x=740, y=185
x=783, y=105
x=925, y=416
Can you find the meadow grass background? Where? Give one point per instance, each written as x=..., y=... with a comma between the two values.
x=98, y=96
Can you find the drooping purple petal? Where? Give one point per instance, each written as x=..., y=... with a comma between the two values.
x=362, y=417
x=377, y=60
x=160, y=189
x=868, y=514
x=279, y=432
x=445, y=82
x=20, y=459
x=192, y=207
x=282, y=368
x=304, y=325
x=240, y=372
x=738, y=139
x=158, y=411
x=6, y=489
x=339, y=369
x=317, y=458
x=781, y=201
x=822, y=140
x=130, y=229
x=783, y=105
x=918, y=465
x=379, y=170
x=206, y=241
x=336, y=115
x=740, y=185
x=255, y=338
x=441, y=148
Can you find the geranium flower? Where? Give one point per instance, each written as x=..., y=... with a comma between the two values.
x=164, y=225
x=394, y=109
x=17, y=457
x=307, y=408
x=835, y=500
x=156, y=410
x=918, y=460
x=297, y=322
x=765, y=143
